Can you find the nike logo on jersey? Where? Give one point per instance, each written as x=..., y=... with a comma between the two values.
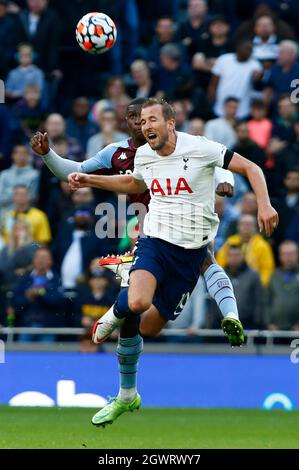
x=123, y=156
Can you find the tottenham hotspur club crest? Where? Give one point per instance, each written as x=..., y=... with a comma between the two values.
x=185, y=161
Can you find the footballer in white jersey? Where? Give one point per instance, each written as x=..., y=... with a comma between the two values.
x=178, y=170
x=181, y=209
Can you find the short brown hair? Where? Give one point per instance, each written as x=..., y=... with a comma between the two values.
x=167, y=109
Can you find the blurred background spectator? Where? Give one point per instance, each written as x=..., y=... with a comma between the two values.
x=38, y=297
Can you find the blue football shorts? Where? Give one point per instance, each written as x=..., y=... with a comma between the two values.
x=175, y=268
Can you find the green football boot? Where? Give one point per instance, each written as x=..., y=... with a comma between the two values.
x=114, y=409
x=234, y=331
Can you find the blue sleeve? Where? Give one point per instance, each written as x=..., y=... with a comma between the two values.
x=103, y=159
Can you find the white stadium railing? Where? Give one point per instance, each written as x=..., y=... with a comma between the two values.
x=251, y=335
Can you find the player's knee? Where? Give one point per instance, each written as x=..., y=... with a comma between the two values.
x=139, y=305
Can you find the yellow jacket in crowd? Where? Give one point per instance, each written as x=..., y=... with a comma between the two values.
x=258, y=255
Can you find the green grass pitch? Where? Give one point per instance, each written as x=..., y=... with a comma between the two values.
x=151, y=428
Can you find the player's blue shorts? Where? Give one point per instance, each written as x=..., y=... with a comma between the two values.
x=176, y=269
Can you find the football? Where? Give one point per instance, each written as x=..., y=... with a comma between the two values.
x=96, y=33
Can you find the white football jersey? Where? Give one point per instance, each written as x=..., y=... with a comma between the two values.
x=181, y=209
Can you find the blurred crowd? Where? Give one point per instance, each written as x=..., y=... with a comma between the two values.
x=231, y=71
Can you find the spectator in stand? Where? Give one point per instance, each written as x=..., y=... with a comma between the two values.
x=16, y=257
x=76, y=245
x=59, y=204
x=83, y=197
x=222, y=129
x=287, y=206
x=284, y=121
x=181, y=116
x=282, y=300
x=209, y=49
x=247, y=288
x=29, y=113
x=196, y=126
x=247, y=28
x=148, y=14
x=121, y=105
x=42, y=29
x=233, y=75
x=95, y=296
x=115, y=87
x=247, y=206
x=55, y=126
x=6, y=137
x=25, y=74
x=246, y=146
x=164, y=34
x=265, y=40
x=283, y=72
x=38, y=297
x=144, y=86
x=227, y=214
x=288, y=157
x=259, y=126
x=20, y=173
x=288, y=11
x=257, y=251
x=195, y=28
x=48, y=182
x=36, y=219
x=10, y=37
x=79, y=125
x=108, y=133
x=173, y=77
x=280, y=154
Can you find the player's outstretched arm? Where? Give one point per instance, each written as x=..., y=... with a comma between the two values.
x=60, y=167
x=267, y=215
x=125, y=184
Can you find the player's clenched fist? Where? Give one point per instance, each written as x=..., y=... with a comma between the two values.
x=78, y=180
x=40, y=143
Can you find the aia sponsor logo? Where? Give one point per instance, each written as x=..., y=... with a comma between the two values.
x=169, y=188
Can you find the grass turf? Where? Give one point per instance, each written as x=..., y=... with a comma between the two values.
x=62, y=428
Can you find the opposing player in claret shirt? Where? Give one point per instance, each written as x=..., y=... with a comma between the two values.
x=119, y=159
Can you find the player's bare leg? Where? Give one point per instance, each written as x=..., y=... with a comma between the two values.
x=128, y=351
x=141, y=291
x=221, y=290
x=135, y=300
